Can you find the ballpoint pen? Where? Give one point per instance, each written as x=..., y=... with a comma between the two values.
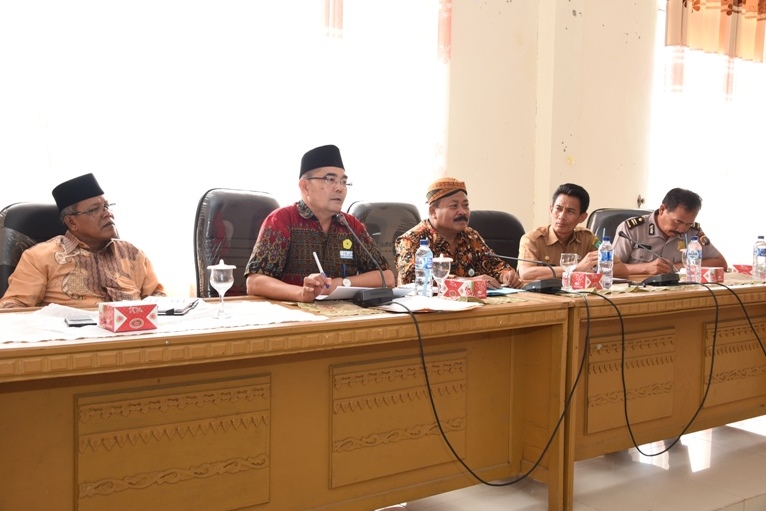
x=319, y=265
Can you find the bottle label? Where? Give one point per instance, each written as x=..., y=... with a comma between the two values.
x=605, y=256
x=761, y=252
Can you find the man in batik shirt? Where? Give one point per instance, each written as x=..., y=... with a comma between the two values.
x=447, y=232
x=88, y=264
x=282, y=265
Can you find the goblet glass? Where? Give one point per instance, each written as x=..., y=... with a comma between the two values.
x=568, y=263
x=221, y=278
x=440, y=271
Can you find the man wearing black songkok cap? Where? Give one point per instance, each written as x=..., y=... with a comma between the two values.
x=282, y=265
x=88, y=264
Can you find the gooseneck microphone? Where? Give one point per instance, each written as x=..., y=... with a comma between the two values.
x=369, y=297
x=663, y=279
x=538, y=286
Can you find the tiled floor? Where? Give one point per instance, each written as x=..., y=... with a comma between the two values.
x=721, y=469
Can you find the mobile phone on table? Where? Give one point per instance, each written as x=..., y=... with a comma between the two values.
x=80, y=321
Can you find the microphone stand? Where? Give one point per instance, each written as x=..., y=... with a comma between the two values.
x=548, y=286
x=369, y=297
x=663, y=279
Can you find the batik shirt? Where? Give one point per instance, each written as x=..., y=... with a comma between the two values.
x=542, y=244
x=63, y=270
x=290, y=235
x=471, y=257
x=644, y=230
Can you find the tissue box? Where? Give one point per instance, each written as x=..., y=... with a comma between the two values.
x=127, y=316
x=747, y=269
x=712, y=274
x=585, y=280
x=456, y=288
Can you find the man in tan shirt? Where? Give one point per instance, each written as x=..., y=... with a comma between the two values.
x=88, y=264
x=547, y=243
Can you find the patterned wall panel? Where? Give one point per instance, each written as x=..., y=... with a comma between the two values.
x=198, y=443
x=382, y=421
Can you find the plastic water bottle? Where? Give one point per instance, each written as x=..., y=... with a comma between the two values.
x=423, y=265
x=759, y=259
x=606, y=262
x=694, y=261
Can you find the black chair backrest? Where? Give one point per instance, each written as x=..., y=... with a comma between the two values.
x=386, y=221
x=605, y=221
x=22, y=225
x=501, y=230
x=225, y=227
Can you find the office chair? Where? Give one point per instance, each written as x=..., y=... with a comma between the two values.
x=22, y=225
x=605, y=221
x=226, y=226
x=386, y=221
x=502, y=231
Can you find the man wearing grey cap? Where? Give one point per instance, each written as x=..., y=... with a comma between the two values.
x=283, y=266
x=88, y=264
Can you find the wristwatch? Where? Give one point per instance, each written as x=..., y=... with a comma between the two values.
x=346, y=283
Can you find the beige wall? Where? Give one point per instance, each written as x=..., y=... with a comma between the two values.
x=549, y=92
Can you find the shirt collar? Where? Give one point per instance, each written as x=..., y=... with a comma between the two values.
x=70, y=243
x=304, y=211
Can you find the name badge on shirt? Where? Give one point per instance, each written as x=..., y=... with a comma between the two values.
x=346, y=254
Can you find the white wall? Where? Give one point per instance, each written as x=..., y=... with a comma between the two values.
x=544, y=93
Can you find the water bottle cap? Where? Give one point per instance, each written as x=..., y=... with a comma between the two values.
x=695, y=238
x=607, y=238
x=423, y=242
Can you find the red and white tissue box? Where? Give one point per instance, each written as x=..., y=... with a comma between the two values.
x=585, y=280
x=127, y=316
x=712, y=274
x=460, y=287
x=747, y=269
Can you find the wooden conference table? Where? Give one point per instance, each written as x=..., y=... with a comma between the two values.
x=334, y=414
x=668, y=350
x=320, y=415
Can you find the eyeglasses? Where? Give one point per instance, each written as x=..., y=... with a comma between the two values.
x=96, y=210
x=332, y=180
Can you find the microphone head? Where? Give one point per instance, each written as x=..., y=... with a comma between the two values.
x=623, y=235
x=342, y=220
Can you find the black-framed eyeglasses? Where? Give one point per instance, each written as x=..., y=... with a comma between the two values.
x=95, y=210
x=332, y=180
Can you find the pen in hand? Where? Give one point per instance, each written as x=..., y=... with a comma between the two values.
x=319, y=265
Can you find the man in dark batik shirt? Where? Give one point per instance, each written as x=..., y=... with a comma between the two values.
x=447, y=231
x=282, y=265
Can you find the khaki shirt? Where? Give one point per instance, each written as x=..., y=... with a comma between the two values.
x=63, y=270
x=541, y=244
x=644, y=230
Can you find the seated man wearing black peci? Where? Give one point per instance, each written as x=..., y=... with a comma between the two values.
x=282, y=265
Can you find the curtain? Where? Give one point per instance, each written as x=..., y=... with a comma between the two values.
x=707, y=136
x=735, y=28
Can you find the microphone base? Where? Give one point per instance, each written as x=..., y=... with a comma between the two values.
x=664, y=279
x=373, y=297
x=549, y=286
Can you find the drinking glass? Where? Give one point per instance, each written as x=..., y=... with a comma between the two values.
x=440, y=271
x=221, y=278
x=568, y=263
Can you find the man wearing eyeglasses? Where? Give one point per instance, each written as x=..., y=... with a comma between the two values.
x=88, y=264
x=283, y=266
x=666, y=232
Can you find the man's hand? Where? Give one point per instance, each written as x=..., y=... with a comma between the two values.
x=510, y=278
x=313, y=286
